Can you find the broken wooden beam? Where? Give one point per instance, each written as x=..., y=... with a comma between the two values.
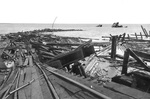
x=81, y=52
x=138, y=59
x=47, y=53
x=142, y=54
x=19, y=88
x=144, y=31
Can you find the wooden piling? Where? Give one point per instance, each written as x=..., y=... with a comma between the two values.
x=128, y=36
x=144, y=31
x=138, y=59
x=113, y=47
x=125, y=62
x=141, y=36
x=83, y=71
x=123, y=38
x=136, y=36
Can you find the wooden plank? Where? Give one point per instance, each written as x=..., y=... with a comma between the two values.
x=28, y=78
x=30, y=61
x=26, y=61
x=8, y=54
x=20, y=61
x=146, y=32
x=139, y=40
x=140, y=35
x=77, y=38
x=64, y=44
x=56, y=64
x=36, y=88
x=46, y=56
x=91, y=64
x=134, y=93
x=16, y=86
x=47, y=53
x=4, y=89
x=106, y=36
x=142, y=54
x=143, y=29
x=21, y=94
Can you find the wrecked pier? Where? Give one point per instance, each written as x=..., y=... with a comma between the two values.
x=42, y=66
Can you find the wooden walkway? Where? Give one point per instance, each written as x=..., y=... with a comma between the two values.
x=32, y=91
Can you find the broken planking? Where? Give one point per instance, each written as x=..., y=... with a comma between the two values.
x=139, y=60
x=81, y=52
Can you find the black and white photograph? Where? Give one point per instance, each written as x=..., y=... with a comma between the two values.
x=74, y=49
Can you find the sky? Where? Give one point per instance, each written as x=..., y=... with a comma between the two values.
x=75, y=11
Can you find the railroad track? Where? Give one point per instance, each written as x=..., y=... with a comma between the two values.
x=62, y=87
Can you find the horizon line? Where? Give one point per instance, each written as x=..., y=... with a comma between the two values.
x=67, y=23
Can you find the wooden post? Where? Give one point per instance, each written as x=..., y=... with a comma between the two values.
x=128, y=36
x=144, y=31
x=110, y=37
x=125, y=62
x=136, y=36
x=141, y=36
x=138, y=59
x=119, y=37
x=123, y=38
x=113, y=47
x=83, y=71
x=149, y=34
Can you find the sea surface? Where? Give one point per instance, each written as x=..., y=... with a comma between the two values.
x=89, y=30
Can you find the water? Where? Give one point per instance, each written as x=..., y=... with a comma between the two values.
x=89, y=30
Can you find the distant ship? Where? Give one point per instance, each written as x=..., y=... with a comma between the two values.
x=100, y=25
x=116, y=25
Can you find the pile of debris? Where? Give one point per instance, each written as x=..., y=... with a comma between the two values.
x=123, y=60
